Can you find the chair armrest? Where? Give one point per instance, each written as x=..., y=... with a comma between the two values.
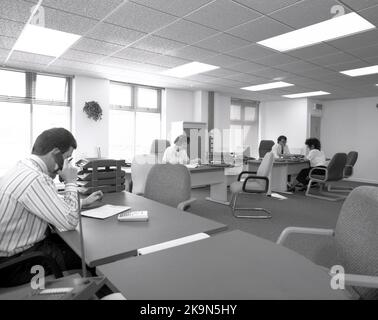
x=256, y=178
x=291, y=230
x=318, y=168
x=38, y=257
x=185, y=204
x=245, y=172
x=356, y=280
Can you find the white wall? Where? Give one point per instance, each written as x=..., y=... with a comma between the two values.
x=89, y=133
x=222, y=104
x=288, y=118
x=353, y=125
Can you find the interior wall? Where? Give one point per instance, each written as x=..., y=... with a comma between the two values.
x=353, y=125
x=288, y=118
x=222, y=104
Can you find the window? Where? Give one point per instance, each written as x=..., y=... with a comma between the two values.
x=244, y=126
x=29, y=104
x=135, y=119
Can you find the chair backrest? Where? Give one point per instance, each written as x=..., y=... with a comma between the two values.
x=356, y=235
x=336, y=167
x=158, y=148
x=140, y=167
x=351, y=161
x=168, y=183
x=264, y=170
x=265, y=147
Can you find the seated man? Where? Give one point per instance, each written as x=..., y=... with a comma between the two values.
x=280, y=148
x=177, y=154
x=29, y=203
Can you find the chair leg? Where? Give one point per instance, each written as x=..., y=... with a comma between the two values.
x=239, y=216
x=322, y=195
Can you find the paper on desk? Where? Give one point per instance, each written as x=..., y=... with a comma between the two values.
x=278, y=196
x=192, y=166
x=105, y=211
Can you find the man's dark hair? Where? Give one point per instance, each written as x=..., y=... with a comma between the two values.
x=54, y=138
x=179, y=137
x=313, y=142
x=281, y=138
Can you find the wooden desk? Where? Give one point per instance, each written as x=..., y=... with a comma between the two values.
x=110, y=240
x=232, y=265
x=281, y=170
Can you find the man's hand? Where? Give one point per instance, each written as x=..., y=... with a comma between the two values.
x=95, y=196
x=69, y=172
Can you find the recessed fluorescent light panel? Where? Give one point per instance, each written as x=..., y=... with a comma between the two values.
x=334, y=28
x=189, y=69
x=268, y=86
x=44, y=41
x=306, y=94
x=361, y=71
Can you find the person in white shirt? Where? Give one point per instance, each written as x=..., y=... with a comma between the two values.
x=316, y=158
x=280, y=148
x=177, y=154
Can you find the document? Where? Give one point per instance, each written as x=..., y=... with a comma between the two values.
x=104, y=211
x=278, y=196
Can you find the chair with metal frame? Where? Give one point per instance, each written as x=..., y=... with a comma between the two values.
x=265, y=147
x=255, y=182
x=348, y=172
x=355, y=240
x=333, y=172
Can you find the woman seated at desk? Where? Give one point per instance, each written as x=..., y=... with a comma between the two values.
x=177, y=154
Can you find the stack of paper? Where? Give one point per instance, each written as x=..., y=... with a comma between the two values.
x=105, y=211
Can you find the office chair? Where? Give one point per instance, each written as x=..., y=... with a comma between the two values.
x=169, y=184
x=355, y=240
x=334, y=172
x=265, y=147
x=158, y=148
x=140, y=167
x=253, y=183
x=348, y=172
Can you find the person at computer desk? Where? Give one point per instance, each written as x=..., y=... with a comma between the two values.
x=280, y=148
x=177, y=153
x=30, y=204
x=317, y=160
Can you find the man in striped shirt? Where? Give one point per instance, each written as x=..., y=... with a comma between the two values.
x=29, y=203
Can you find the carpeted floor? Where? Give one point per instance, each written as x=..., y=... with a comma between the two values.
x=297, y=210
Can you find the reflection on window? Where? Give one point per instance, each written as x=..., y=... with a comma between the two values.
x=47, y=117
x=147, y=98
x=250, y=114
x=235, y=113
x=147, y=129
x=14, y=133
x=120, y=95
x=51, y=88
x=12, y=83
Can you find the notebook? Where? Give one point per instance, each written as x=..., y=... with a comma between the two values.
x=104, y=211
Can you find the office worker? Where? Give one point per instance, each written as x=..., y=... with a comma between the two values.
x=29, y=203
x=280, y=148
x=316, y=158
x=177, y=153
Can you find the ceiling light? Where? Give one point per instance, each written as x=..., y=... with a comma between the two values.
x=44, y=41
x=331, y=29
x=189, y=69
x=306, y=94
x=361, y=71
x=268, y=86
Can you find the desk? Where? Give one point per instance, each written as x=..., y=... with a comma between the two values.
x=110, y=240
x=280, y=171
x=232, y=265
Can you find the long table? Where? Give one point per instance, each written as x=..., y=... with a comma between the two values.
x=280, y=172
x=231, y=265
x=109, y=240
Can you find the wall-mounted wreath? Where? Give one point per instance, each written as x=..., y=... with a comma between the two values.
x=93, y=110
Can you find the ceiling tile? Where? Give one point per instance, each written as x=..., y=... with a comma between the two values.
x=174, y=7
x=192, y=53
x=247, y=67
x=252, y=52
x=348, y=65
x=158, y=44
x=186, y=31
x=319, y=73
x=222, y=60
x=221, y=73
x=272, y=74
x=230, y=83
x=305, y=13
x=364, y=39
x=7, y=42
x=135, y=54
x=127, y=64
x=373, y=60
x=296, y=67
x=10, y=28
x=167, y=61
x=267, y=6
x=222, y=43
x=81, y=56
x=30, y=58
x=365, y=52
x=134, y=16
x=243, y=77
x=16, y=10
x=96, y=46
x=360, y=4
x=312, y=52
x=222, y=15
x=276, y=60
x=259, y=29
x=330, y=59
x=114, y=34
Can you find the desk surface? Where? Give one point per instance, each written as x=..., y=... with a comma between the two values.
x=231, y=265
x=110, y=240
x=278, y=162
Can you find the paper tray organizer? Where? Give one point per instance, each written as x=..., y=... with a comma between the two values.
x=101, y=174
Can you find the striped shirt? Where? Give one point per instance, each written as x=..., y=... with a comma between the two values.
x=29, y=202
